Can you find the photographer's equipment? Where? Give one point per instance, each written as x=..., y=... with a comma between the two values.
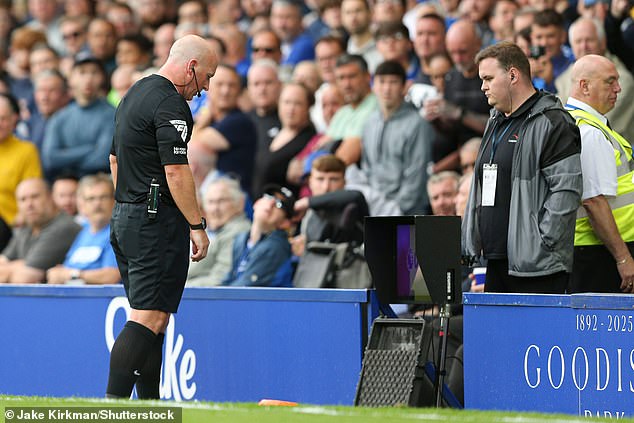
x=535, y=52
x=413, y=260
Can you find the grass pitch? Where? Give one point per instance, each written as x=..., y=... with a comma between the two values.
x=203, y=412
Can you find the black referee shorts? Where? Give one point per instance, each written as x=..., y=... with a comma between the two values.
x=152, y=255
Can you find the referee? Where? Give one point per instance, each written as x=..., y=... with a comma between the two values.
x=151, y=226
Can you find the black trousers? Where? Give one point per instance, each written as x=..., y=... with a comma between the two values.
x=594, y=270
x=499, y=280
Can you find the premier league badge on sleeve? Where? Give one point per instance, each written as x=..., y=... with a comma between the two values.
x=181, y=127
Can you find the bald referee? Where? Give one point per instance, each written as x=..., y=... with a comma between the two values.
x=156, y=212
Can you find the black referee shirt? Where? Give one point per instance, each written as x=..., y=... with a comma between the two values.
x=494, y=220
x=153, y=125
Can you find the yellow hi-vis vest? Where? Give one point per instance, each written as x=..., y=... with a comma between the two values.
x=623, y=204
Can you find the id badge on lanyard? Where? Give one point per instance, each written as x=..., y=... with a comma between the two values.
x=489, y=181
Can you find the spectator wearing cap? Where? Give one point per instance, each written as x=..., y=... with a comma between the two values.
x=78, y=137
x=261, y=257
x=392, y=41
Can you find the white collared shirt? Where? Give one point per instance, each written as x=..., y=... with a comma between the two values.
x=598, y=165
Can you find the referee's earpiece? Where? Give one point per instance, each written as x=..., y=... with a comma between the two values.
x=512, y=77
x=194, y=78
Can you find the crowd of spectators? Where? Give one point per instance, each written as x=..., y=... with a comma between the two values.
x=390, y=88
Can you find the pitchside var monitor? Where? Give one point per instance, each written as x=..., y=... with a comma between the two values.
x=414, y=259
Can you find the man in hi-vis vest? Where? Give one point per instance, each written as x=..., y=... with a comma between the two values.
x=604, y=233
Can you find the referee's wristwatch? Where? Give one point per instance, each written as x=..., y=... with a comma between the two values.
x=200, y=226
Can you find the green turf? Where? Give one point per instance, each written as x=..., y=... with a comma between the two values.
x=203, y=412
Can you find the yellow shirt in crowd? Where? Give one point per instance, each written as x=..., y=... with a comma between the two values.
x=19, y=160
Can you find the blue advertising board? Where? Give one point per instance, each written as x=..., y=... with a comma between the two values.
x=225, y=344
x=551, y=353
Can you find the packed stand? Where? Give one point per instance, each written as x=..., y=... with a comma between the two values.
x=319, y=114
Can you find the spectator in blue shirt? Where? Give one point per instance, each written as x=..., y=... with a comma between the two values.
x=79, y=136
x=90, y=258
x=548, y=31
x=286, y=22
x=261, y=257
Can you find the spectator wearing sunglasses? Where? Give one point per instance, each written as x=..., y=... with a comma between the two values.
x=266, y=45
x=74, y=30
x=261, y=257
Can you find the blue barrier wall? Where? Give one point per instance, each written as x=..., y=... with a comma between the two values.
x=225, y=344
x=552, y=353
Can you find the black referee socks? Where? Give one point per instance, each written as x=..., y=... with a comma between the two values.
x=127, y=358
x=147, y=385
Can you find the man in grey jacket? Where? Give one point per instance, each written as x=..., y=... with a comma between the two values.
x=396, y=144
x=527, y=182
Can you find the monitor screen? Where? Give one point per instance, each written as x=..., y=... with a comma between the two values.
x=414, y=259
x=410, y=282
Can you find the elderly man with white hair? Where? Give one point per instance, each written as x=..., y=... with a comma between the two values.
x=587, y=36
x=223, y=204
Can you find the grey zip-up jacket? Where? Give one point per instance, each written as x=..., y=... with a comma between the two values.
x=545, y=192
x=395, y=155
